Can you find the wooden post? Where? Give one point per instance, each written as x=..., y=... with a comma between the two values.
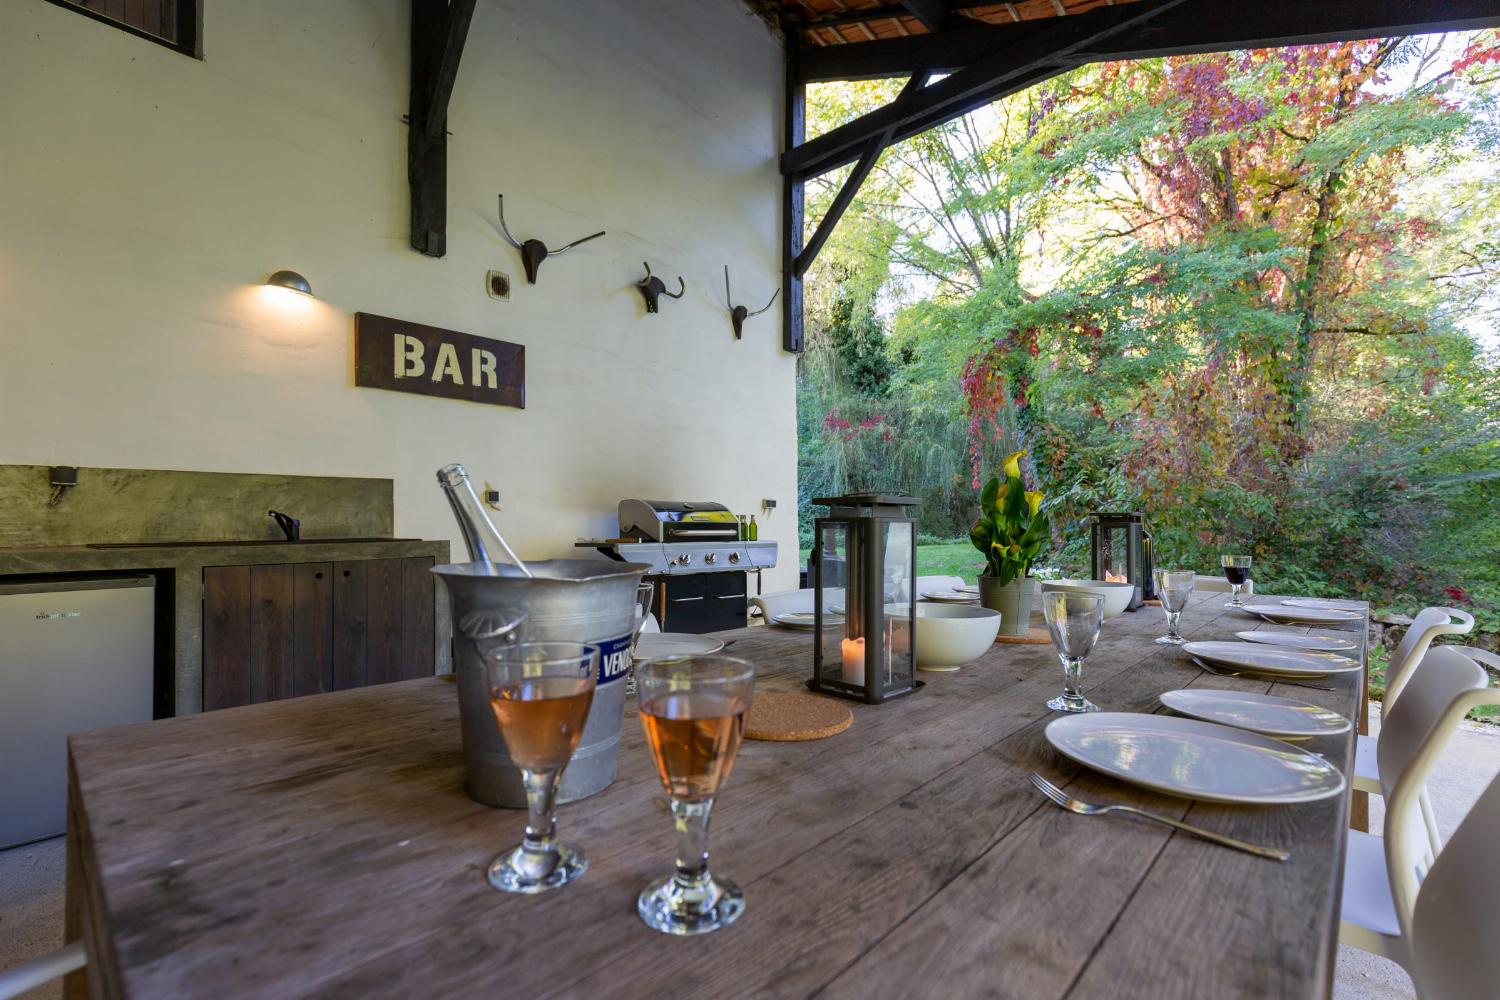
x=438, y=30
x=794, y=126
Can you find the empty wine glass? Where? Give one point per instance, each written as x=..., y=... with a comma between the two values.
x=541, y=693
x=1236, y=571
x=1174, y=587
x=1074, y=620
x=693, y=713
x=645, y=595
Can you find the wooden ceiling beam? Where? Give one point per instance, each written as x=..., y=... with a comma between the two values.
x=1197, y=26
x=1041, y=54
x=438, y=31
x=932, y=13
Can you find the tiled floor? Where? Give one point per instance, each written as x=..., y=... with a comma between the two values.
x=31, y=878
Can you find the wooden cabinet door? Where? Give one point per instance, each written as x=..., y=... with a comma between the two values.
x=287, y=630
x=266, y=633
x=383, y=621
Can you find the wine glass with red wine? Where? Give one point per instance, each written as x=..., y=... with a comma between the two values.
x=541, y=693
x=693, y=711
x=1236, y=571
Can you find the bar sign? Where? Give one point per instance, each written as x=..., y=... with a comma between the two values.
x=430, y=361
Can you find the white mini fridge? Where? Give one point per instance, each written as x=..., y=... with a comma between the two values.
x=75, y=655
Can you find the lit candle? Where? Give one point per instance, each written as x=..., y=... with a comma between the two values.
x=854, y=661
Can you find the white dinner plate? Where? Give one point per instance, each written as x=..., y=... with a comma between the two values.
x=1313, y=640
x=950, y=596
x=805, y=621
x=1193, y=759
x=968, y=588
x=1283, y=614
x=665, y=645
x=1326, y=603
x=1276, y=661
x=1285, y=718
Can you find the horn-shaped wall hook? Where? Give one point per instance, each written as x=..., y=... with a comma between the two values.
x=653, y=288
x=533, y=252
x=738, y=314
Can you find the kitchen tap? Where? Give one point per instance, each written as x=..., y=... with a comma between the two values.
x=289, y=525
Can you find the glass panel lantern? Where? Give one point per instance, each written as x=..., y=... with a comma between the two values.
x=1121, y=549
x=864, y=575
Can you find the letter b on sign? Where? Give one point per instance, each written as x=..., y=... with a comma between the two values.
x=408, y=354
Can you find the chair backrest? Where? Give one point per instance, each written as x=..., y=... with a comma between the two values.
x=1412, y=737
x=650, y=624
x=783, y=601
x=1453, y=942
x=1427, y=626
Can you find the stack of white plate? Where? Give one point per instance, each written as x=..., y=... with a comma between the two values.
x=667, y=645
x=804, y=621
x=1284, y=718
x=951, y=596
x=1273, y=661
x=1285, y=613
x=1193, y=759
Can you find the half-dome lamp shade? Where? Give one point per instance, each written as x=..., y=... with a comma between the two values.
x=291, y=280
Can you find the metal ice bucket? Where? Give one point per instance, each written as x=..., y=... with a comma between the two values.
x=581, y=600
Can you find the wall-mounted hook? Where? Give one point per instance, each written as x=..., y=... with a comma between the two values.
x=738, y=314
x=533, y=252
x=653, y=288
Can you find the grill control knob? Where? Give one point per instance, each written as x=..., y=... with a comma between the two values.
x=734, y=557
x=710, y=559
x=686, y=559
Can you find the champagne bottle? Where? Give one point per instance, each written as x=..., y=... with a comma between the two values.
x=754, y=530
x=480, y=534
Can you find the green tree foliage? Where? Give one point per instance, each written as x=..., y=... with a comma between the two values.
x=1239, y=291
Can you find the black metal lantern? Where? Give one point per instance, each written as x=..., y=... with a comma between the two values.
x=1121, y=549
x=864, y=577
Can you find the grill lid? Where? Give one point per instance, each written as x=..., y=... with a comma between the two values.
x=677, y=520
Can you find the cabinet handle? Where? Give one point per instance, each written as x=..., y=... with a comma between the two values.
x=346, y=572
x=684, y=600
x=317, y=576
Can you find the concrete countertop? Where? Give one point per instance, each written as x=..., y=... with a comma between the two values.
x=185, y=563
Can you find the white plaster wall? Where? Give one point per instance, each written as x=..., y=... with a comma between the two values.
x=143, y=194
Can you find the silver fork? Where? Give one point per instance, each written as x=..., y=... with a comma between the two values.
x=1071, y=804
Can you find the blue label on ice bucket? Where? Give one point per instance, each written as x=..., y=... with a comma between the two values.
x=614, y=658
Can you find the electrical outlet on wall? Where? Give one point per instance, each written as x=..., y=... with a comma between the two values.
x=766, y=506
x=491, y=497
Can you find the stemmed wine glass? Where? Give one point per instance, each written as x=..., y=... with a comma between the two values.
x=1236, y=571
x=1074, y=620
x=693, y=712
x=541, y=693
x=645, y=594
x=1174, y=587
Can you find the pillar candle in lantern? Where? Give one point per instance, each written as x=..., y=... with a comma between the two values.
x=854, y=661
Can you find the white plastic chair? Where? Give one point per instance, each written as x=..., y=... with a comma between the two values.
x=1427, y=626
x=650, y=624
x=1452, y=953
x=1220, y=585
x=783, y=602
x=30, y=975
x=1382, y=874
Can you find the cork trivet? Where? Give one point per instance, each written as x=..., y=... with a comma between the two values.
x=1033, y=637
x=775, y=715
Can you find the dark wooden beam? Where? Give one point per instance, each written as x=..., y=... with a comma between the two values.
x=932, y=13
x=1197, y=26
x=438, y=30
x=852, y=183
x=794, y=129
x=1047, y=52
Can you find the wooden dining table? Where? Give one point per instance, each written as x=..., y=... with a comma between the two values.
x=324, y=846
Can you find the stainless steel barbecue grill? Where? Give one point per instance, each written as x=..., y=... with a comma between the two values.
x=696, y=557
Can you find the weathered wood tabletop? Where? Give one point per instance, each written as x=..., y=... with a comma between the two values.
x=324, y=846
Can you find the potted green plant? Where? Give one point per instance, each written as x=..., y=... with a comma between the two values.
x=1011, y=531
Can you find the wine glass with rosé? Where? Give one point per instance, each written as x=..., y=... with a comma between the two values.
x=693, y=712
x=541, y=693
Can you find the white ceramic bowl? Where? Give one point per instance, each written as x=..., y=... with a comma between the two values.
x=1116, y=595
x=950, y=634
